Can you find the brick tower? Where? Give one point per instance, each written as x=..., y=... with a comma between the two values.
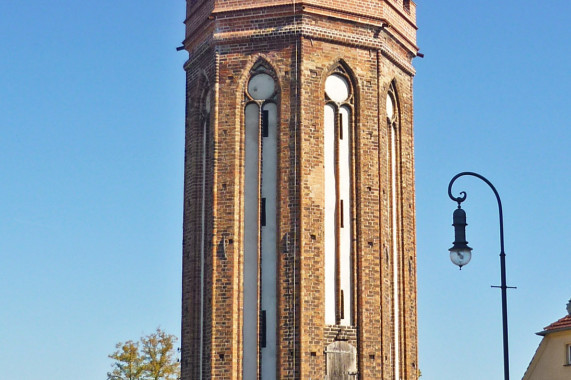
x=299, y=217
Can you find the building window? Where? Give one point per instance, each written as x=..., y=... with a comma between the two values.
x=393, y=126
x=406, y=5
x=260, y=224
x=568, y=354
x=338, y=184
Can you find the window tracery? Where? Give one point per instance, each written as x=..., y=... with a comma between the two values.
x=260, y=223
x=338, y=185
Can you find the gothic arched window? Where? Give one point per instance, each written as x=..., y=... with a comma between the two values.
x=338, y=183
x=260, y=224
x=204, y=111
x=393, y=125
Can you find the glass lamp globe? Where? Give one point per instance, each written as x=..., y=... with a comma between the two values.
x=460, y=256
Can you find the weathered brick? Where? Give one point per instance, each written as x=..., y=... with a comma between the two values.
x=302, y=42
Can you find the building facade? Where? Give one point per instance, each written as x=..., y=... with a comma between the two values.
x=552, y=359
x=299, y=217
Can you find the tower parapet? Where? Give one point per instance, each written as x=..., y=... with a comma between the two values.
x=356, y=22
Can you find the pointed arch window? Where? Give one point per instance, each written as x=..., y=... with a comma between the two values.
x=260, y=224
x=338, y=185
x=204, y=111
x=393, y=125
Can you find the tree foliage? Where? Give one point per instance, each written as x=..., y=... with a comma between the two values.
x=158, y=354
x=152, y=358
x=128, y=363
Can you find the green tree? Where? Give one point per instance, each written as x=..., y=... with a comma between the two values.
x=152, y=358
x=128, y=363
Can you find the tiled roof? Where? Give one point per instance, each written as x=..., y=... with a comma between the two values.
x=562, y=324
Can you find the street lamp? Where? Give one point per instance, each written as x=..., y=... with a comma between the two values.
x=460, y=253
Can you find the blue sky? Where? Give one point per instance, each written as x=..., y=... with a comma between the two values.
x=91, y=137
x=491, y=96
x=91, y=155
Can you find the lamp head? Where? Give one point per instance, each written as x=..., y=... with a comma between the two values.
x=460, y=253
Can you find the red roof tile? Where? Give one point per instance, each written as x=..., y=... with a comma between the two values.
x=562, y=324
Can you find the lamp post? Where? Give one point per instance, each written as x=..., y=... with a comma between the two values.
x=461, y=253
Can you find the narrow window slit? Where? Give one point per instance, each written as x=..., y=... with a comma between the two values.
x=265, y=123
x=342, y=305
x=263, y=212
x=263, y=329
x=341, y=214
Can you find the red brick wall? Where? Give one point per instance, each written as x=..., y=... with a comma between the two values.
x=375, y=42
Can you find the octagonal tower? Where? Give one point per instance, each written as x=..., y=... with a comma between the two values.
x=299, y=218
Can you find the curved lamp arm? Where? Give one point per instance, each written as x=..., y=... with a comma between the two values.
x=463, y=197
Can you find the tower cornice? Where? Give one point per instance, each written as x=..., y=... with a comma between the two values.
x=304, y=31
x=241, y=21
